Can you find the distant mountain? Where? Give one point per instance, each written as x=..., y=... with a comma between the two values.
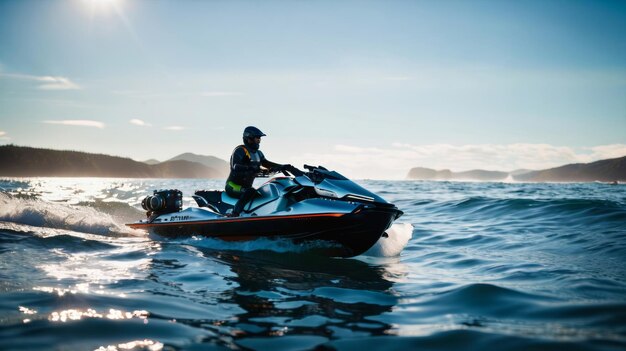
x=428, y=174
x=520, y=171
x=18, y=161
x=479, y=174
x=217, y=164
x=446, y=174
x=604, y=171
x=151, y=161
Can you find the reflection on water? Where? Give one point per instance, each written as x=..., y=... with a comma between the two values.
x=273, y=295
x=99, y=268
x=74, y=315
x=285, y=294
x=149, y=345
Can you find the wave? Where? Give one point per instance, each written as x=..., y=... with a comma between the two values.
x=52, y=238
x=490, y=308
x=13, y=184
x=573, y=210
x=487, y=297
x=39, y=213
x=432, y=338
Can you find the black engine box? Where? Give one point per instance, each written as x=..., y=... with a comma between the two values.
x=163, y=201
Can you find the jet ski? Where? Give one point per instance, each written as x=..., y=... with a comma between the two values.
x=312, y=206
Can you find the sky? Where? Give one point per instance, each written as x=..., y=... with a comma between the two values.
x=368, y=88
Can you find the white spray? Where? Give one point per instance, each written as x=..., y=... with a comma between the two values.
x=391, y=244
x=39, y=213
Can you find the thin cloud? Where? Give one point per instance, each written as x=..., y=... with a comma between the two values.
x=607, y=151
x=139, y=122
x=57, y=83
x=176, y=128
x=78, y=123
x=46, y=82
x=4, y=136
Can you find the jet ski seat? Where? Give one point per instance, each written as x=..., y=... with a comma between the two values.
x=212, y=199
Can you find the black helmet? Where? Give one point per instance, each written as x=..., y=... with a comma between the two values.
x=248, y=137
x=252, y=132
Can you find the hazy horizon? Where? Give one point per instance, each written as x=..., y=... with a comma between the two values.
x=300, y=165
x=369, y=88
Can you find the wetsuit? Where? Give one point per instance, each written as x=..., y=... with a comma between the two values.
x=245, y=164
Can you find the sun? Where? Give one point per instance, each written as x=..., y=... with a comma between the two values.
x=101, y=2
x=104, y=11
x=102, y=5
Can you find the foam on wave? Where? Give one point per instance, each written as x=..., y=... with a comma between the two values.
x=39, y=213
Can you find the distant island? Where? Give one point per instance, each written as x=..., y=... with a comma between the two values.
x=19, y=161
x=610, y=170
x=220, y=166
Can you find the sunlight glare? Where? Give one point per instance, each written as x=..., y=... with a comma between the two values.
x=101, y=2
x=103, y=6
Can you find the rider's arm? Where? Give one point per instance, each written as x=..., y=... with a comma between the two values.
x=267, y=163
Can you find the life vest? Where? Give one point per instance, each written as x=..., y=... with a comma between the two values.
x=254, y=157
x=244, y=178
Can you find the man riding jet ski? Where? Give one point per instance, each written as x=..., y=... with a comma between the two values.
x=245, y=164
x=316, y=206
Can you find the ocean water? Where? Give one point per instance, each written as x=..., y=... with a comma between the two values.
x=470, y=266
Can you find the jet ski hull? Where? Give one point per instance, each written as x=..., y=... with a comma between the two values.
x=342, y=234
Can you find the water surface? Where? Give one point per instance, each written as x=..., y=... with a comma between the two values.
x=507, y=266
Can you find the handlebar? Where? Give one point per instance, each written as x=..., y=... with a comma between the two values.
x=291, y=170
x=315, y=173
x=285, y=171
x=312, y=168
